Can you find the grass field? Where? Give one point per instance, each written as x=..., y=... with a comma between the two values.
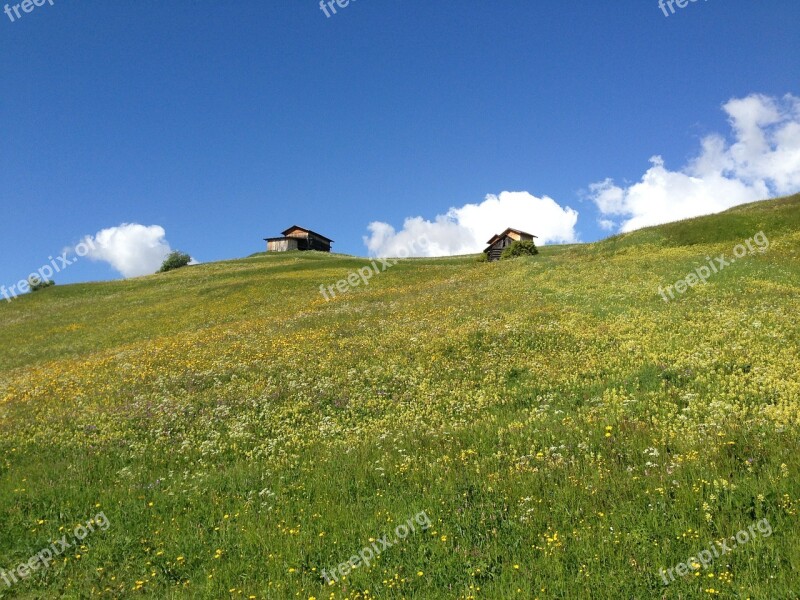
x=565, y=431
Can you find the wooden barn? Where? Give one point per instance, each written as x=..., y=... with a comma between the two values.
x=298, y=238
x=501, y=241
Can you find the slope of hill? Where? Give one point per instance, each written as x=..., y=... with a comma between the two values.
x=547, y=427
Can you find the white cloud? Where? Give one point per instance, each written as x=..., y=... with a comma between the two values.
x=763, y=160
x=465, y=230
x=131, y=249
x=606, y=224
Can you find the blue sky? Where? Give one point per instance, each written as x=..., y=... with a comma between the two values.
x=223, y=122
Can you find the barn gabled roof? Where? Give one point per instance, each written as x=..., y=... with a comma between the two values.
x=286, y=232
x=506, y=232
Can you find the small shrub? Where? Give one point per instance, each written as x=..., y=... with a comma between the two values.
x=175, y=260
x=520, y=248
x=36, y=283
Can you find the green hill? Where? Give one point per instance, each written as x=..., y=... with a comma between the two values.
x=546, y=427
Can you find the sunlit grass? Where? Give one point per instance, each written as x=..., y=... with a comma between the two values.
x=568, y=432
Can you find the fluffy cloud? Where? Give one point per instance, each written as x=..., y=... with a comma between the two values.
x=762, y=160
x=131, y=249
x=465, y=230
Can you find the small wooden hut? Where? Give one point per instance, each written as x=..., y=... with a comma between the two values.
x=501, y=241
x=298, y=238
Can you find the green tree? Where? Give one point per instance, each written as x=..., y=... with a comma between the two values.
x=36, y=283
x=520, y=248
x=175, y=260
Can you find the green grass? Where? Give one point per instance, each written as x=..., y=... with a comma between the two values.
x=567, y=432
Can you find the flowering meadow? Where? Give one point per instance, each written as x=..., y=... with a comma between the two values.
x=567, y=432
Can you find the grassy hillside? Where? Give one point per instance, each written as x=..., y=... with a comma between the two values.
x=549, y=426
